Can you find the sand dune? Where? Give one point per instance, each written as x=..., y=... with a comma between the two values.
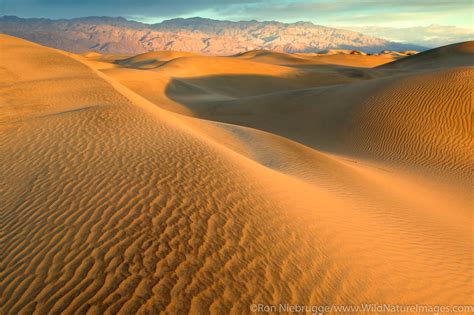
x=152, y=59
x=267, y=56
x=113, y=203
x=204, y=79
x=455, y=55
x=333, y=57
x=420, y=120
x=388, y=119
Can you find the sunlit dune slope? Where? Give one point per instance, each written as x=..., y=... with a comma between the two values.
x=200, y=79
x=153, y=59
x=420, y=120
x=349, y=58
x=178, y=78
x=455, y=55
x=93, y=55
x=217, y=87
x=268, y=56
x=417, y=120
x=111, y=204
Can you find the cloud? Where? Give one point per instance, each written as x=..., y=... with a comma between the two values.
x=80, y=8
x=428, y=36
x=363, y=12
x=325, y=10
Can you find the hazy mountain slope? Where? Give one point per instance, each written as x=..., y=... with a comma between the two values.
x=118, y=35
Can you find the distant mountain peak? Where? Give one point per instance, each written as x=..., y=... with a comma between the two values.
x=195, y=34
x=189, y=19
x=305, y=23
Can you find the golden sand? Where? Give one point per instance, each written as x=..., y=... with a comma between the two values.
x=183, y=183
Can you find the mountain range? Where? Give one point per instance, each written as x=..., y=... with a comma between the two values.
x=215, y=37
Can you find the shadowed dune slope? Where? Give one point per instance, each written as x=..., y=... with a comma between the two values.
x=199, y=79
x=189, y=89
x=192, y=78
x=113, y=205
x=417, y=120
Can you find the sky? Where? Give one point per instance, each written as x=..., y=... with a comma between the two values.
x=432, y=19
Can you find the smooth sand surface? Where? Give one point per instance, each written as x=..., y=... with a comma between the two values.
x=455, y=55
x=205, y=184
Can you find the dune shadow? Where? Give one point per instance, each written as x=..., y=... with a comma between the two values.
x=295, y=108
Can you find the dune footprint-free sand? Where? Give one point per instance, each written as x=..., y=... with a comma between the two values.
x=119, y=201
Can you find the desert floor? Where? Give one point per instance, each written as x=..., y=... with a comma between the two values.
x=180, y=183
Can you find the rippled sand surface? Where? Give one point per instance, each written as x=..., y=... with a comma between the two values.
x=192, y=184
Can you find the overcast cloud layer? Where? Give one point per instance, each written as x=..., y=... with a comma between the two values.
x=387, y=18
